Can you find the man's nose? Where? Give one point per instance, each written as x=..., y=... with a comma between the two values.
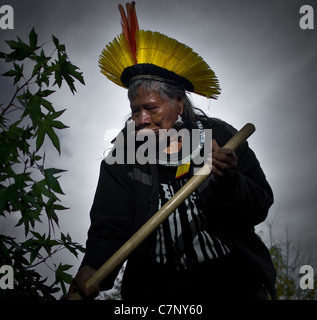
x=144, y=118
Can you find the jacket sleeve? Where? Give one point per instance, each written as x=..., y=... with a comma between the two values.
x=244, y=198
x=111, y=217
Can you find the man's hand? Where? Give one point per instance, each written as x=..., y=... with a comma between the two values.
x=223, y=160
x=78, y=284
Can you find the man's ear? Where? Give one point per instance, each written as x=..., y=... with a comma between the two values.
x=180, y=104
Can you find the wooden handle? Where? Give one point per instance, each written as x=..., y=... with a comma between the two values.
x=192, y=184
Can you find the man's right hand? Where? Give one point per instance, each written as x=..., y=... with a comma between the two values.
x=78, y=284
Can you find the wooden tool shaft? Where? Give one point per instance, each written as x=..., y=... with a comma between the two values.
x=192, y=184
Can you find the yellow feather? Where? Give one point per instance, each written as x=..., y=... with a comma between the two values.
x=162, y=51
x=115, y=58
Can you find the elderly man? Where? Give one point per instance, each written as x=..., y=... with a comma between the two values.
x=207, y=248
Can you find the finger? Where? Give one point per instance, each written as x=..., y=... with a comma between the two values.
x=214, y=145
x=227, y=152
x=216, y=172
x=88, y=293
x=219, y=156
x=220, y=165
x=94, y=290
x=83, y=290
x=80, y=287
x=228, y=157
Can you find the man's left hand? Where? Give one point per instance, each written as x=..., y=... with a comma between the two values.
x=224, y=160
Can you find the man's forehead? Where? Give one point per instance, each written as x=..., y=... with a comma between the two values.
x=148, y=97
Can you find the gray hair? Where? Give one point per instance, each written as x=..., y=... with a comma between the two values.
x=170, y=91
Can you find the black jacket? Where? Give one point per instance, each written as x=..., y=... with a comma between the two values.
x=127, y=196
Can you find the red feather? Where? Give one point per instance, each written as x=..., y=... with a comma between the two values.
x=130, y=26
x=124, y=22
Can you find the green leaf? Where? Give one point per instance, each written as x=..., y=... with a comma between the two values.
x=55, y=41
x=57, y=45
x=38, y=236
x=77, y=75
x=56, y=114
x=62, y=48
x=42, y=61
x=59, y=207
x=2, y=55
x=32, y=104
x=40, y=138
x=73, y=247
x=13, y=197
x=12, y=44
x=59, y=125
x=4, y=198
x=61, y=276
x=45, y=93
x=52, y=181
x=64, y=69
x=21, y=165
x=40, y=187
x=48, y=105
x=29, y=217
x=61, y=272
x=10, y=73
x=46, y=126
x=52, y=135
x=46, y=243
x=33, y=39
x=43, y=78
x=20, y=50
x=50, y=211
x=17, y=73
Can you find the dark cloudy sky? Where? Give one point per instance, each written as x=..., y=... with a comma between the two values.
x=266, y=65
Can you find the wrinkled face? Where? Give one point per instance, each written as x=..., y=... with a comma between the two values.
x=150, y=110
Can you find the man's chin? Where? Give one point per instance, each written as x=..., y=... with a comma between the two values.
x=147, y=132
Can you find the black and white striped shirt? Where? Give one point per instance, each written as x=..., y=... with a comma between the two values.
x=182, y=240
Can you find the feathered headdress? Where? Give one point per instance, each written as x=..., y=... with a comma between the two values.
x=138, y=54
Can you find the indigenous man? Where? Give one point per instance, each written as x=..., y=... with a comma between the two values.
x=207, y=248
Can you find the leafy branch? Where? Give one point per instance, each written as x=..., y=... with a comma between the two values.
x=28, y=189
